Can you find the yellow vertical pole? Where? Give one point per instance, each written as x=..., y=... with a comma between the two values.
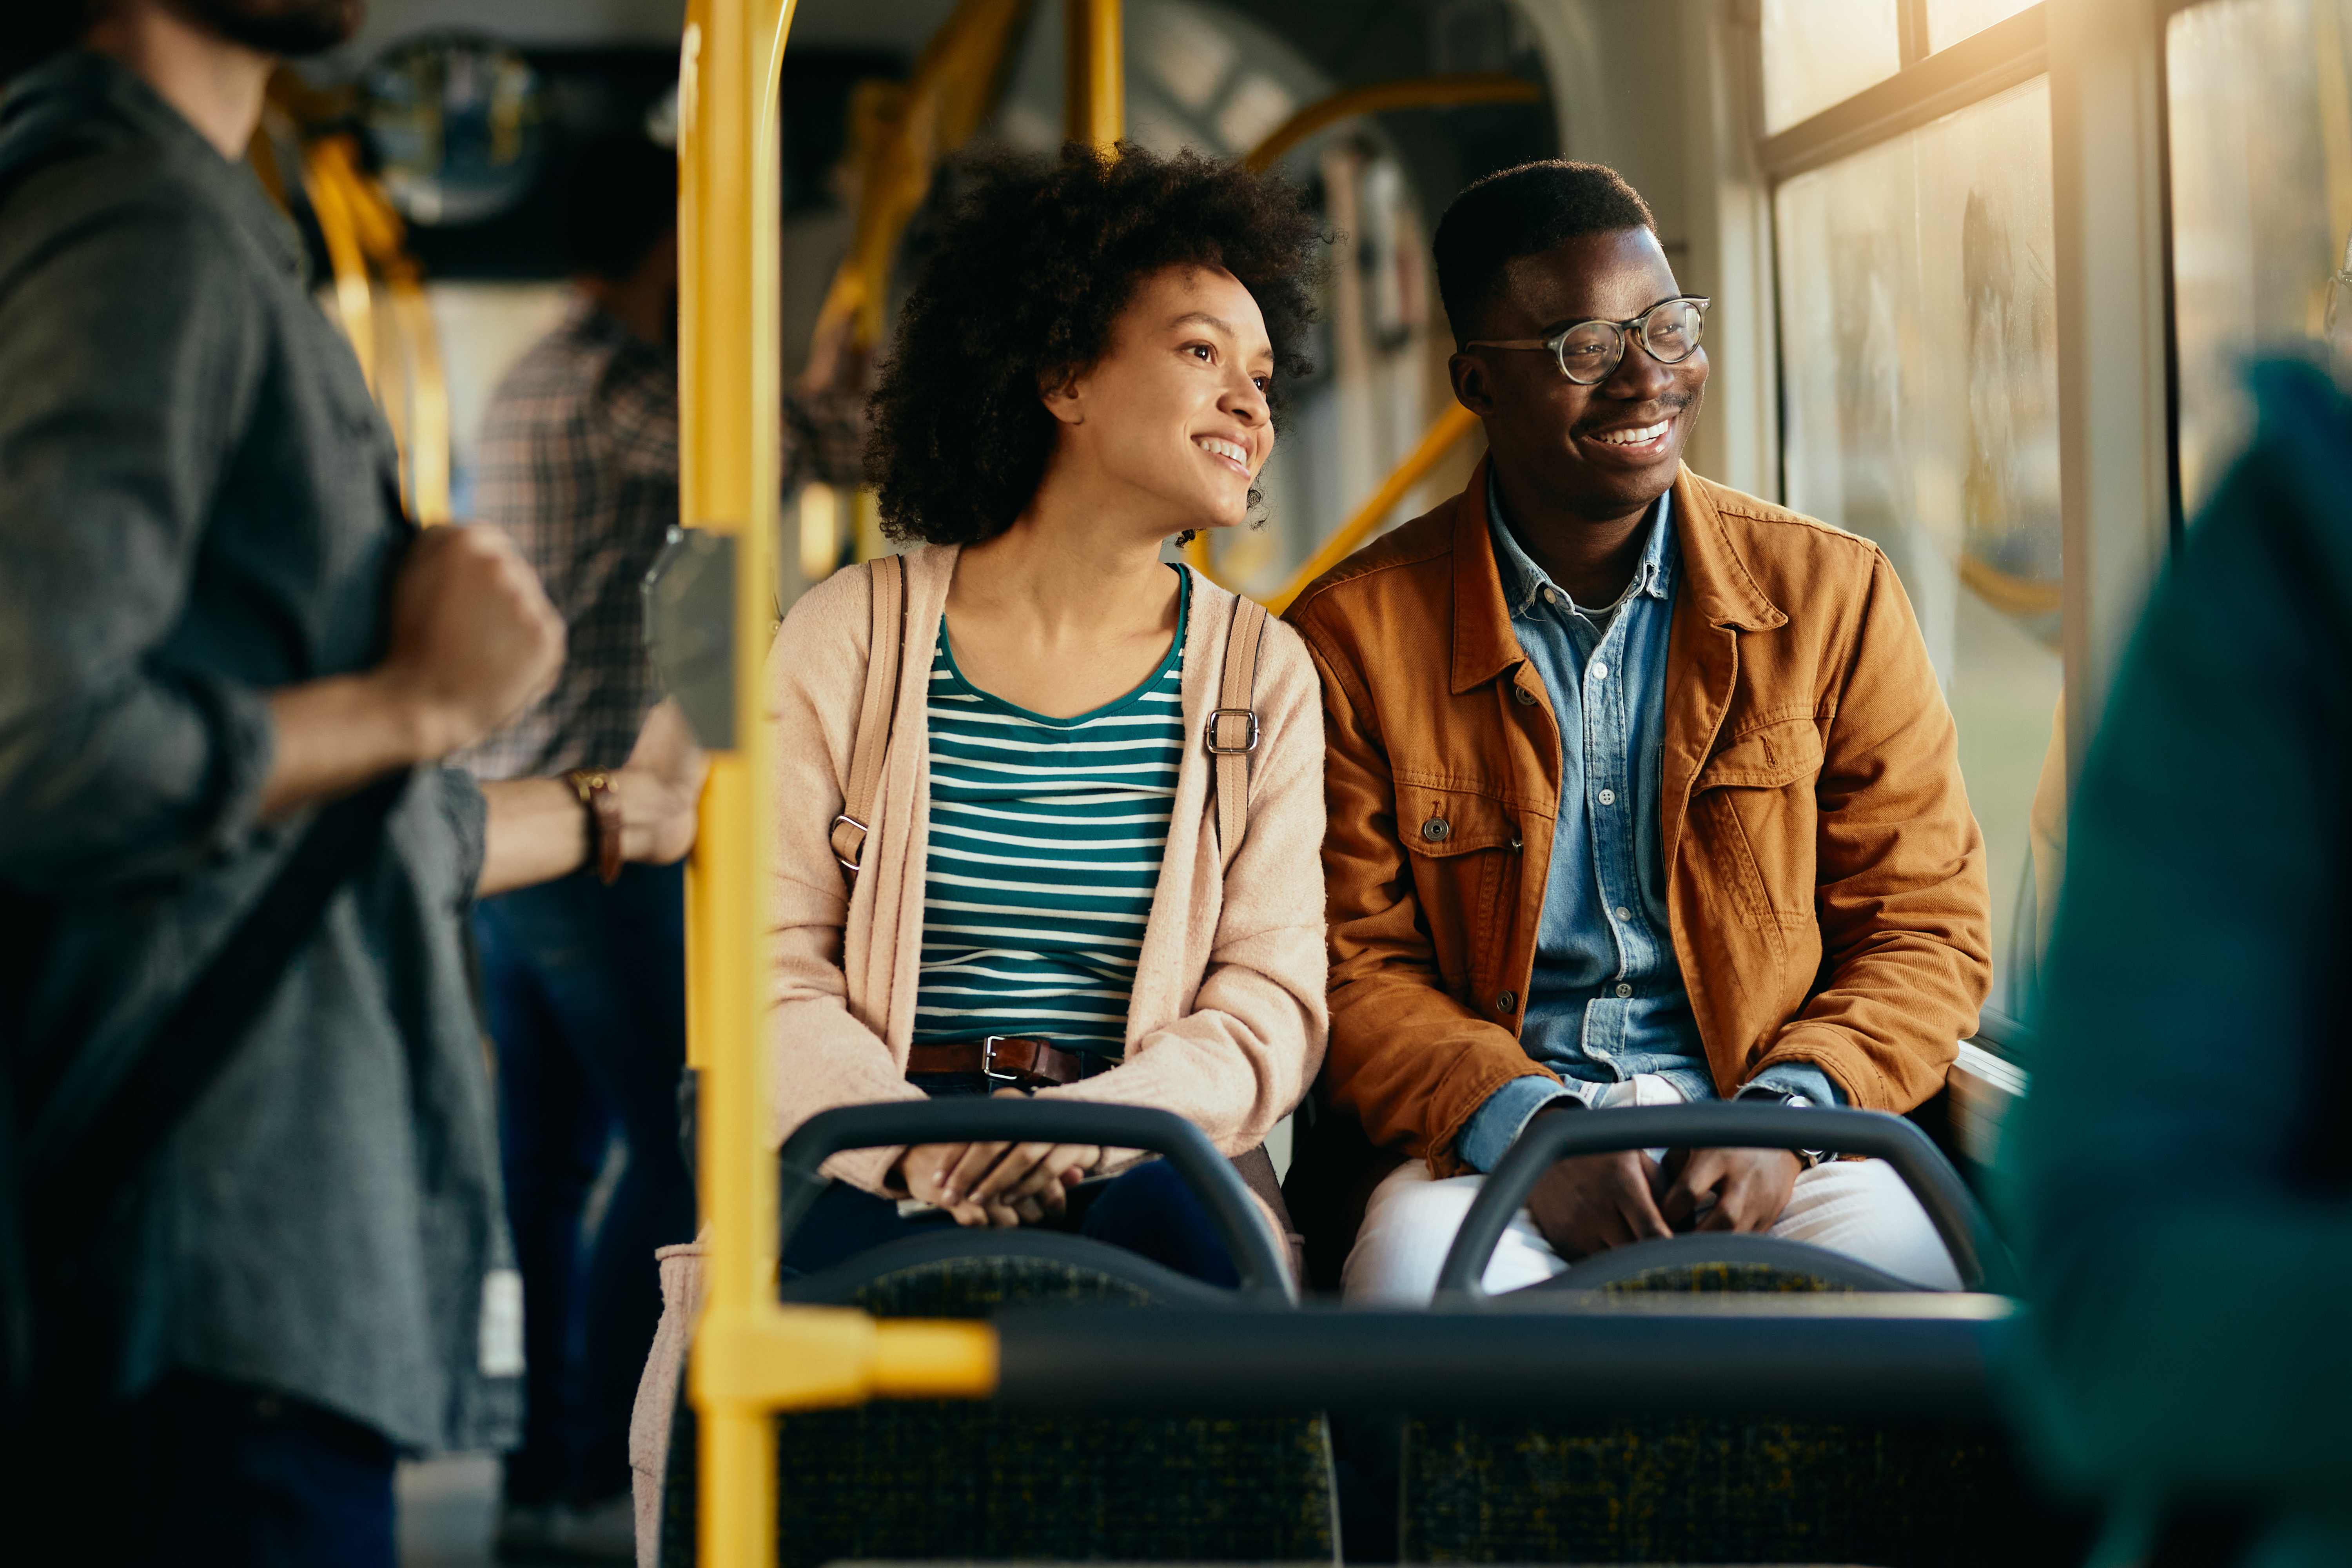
x=693, y=312
x=1094, y=73
x=728, y=420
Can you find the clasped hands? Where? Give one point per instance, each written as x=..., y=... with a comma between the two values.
x=1595, y=1202
x=997, y=1184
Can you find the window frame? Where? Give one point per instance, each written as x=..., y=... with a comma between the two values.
x=2117, y=373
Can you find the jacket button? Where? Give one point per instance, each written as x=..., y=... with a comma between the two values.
x=1526, y=699
x=1506, y=1001
x=1516, y=841
x=1435, y=829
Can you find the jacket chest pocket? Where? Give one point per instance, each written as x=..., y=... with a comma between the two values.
x=1754, y=814
x=1464, y=848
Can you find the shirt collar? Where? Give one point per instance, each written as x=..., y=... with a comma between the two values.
x=1524, y=581
x=77, y=84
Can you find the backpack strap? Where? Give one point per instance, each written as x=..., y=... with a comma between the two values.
x=885, y=647
x=1233, y=724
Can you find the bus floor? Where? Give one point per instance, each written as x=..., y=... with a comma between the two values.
x=448, y=1510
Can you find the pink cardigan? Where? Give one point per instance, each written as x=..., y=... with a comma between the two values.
x=1227, y=1020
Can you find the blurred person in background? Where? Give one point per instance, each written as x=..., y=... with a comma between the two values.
x=585, y=978
x=2181, y=1177
x=230, y=669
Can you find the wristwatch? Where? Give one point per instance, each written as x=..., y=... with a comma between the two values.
x=1806, y=1158
x=603, y=803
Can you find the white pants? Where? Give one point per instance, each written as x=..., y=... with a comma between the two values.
x=1859, y=1207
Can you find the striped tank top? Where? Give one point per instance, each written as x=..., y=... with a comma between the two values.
x=1045, y=841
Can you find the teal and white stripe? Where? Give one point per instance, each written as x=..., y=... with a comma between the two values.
x=1046, y=837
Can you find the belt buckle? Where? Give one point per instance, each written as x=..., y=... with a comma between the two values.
x=988, y=1062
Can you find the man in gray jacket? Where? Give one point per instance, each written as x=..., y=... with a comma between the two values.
x=213, y=620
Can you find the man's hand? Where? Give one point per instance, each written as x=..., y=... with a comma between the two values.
x=474, y=640
x=999, y=1185
x=537, y=830
x=660, y=787
x=1747, y=1188
x=1595, y=1202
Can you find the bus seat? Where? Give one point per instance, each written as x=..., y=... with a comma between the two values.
x=976, y=1481
x=1675, y=1487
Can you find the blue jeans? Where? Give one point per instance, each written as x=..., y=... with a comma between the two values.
x=586, y=987
x=1148, y=1210
x=198, y=1472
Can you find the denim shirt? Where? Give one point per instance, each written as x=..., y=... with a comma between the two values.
x=1606, y=1000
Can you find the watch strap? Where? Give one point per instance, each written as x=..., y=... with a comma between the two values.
x=603, y=802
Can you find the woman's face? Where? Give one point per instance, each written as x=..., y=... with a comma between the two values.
x=1173, y=420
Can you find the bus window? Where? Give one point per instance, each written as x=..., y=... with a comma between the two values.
x=1919, y=403
x=2260, y=135
x=1950, y=21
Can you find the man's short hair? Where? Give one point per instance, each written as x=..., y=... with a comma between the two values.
x=620, y=200
x=1524, y=212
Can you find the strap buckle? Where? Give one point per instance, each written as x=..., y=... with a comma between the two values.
x=1247, y=747
x=850, y=866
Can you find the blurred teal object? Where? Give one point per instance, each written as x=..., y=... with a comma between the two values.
x=2180, y=1177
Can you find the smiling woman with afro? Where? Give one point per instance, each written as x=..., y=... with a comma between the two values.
x=1024, y=288
x=1083, y=862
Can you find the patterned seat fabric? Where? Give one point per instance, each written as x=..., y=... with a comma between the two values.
x=974, y=1482
x=1712, y=1490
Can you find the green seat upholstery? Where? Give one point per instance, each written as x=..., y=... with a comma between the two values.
x=977, y=1482
x=1673, y=1488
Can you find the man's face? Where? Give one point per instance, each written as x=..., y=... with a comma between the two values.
x=1566, y=443
x=290, y=28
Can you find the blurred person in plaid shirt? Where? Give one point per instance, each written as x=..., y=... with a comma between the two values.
x=584, y=983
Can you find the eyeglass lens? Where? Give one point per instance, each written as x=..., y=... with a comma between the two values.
x=1670, y=332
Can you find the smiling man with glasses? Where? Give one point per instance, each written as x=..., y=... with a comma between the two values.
x=1640, y=791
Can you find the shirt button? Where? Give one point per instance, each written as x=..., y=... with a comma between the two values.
x=1435, y=829
x=1552, y=595
x=1526, y=699
x=1609, y=797
x=1623, y=989
x=1623, y=913
x=1506, y=1001
x=1600, y=671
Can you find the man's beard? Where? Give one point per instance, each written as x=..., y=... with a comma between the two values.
x=289, y=28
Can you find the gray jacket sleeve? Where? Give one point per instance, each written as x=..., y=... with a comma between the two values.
x=131, y=349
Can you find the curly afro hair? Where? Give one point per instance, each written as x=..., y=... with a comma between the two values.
x=1025, y=285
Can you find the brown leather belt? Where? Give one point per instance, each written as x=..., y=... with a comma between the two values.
x=1016, y=1060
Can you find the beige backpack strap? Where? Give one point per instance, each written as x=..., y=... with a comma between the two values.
x=1232, y=726
x=855, y=824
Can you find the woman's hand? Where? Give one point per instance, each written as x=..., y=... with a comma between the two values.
x=996, y=1184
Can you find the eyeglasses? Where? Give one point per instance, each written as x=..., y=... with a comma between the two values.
x=1589, y=351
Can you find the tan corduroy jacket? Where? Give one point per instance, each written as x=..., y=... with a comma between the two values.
x=1825, y=883
x=1227, y=1020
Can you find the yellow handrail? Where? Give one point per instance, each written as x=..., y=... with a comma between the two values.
x=325, y=162
x=1416, y=92
x=1451, y=425
x=363, y=234
x=1094, y=73
x=937, y=112
x=751, y=1355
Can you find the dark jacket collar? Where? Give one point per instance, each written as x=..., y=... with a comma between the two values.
x=1714, y=579
x=75, y=95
